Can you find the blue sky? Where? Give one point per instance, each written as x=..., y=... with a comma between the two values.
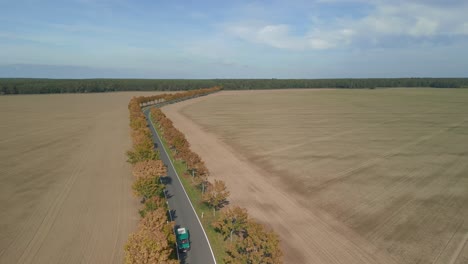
x=233, y=39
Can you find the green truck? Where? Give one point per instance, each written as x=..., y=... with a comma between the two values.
x=183, y=239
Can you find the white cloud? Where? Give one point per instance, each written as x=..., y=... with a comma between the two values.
x=424, y=27
x=319, y=44
x=277, y=36
x=413, y=19
x=462, y=29
x=280, y=36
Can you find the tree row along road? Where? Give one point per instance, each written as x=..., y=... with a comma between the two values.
x=182, y=211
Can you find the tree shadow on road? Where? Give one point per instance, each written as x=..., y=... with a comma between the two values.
x=166, y=180
x=183, y=258
x=173, y=214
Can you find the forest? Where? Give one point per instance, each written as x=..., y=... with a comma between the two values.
x=45, y=86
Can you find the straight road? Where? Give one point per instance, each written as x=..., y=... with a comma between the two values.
x=182, y=210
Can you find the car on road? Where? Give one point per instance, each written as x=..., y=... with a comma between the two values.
x=183, y=239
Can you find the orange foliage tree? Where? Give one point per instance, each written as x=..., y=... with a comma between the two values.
x=231, y=220
x=147, y=183
x=147, y=187
x=256, y=245
x=143, y=148
x=153, y=204
x=153, y=242
x=216, y=194
x=149, y=168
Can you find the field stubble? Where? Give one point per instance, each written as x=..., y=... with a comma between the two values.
x=361, y=176
x=65, y=186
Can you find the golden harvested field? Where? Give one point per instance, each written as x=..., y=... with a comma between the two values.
x=343, y=176
x=65, y=193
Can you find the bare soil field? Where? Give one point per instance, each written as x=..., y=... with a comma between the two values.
x=343, y=176
x=65, y=194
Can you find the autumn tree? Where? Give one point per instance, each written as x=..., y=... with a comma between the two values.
x=142, y=136
x=147, y=187
x=143, y=147
x=149, y=168
x=200, y=168
x=175, y=139
x=231, y=220
x=191, y=159
x=141, y=154
x=153, y=242
x=153, y=204
x=156, y=114
x=138, y=122
x=216, y=195
x=257, y=245
x=147, y=174
x=201, y=181
x=137, y=118
x=157, y=221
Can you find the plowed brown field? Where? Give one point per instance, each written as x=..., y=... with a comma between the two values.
x=343, y=176
x=65, y=193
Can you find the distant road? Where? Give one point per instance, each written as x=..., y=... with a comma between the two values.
x=183, y=213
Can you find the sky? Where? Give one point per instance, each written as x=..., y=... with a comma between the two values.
x=233, y=39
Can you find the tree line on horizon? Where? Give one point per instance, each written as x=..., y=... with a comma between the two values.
x=46, y=86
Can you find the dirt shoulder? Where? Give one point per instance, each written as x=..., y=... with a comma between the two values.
x=308, y=234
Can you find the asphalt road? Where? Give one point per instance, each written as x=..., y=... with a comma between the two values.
x=182, y=210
